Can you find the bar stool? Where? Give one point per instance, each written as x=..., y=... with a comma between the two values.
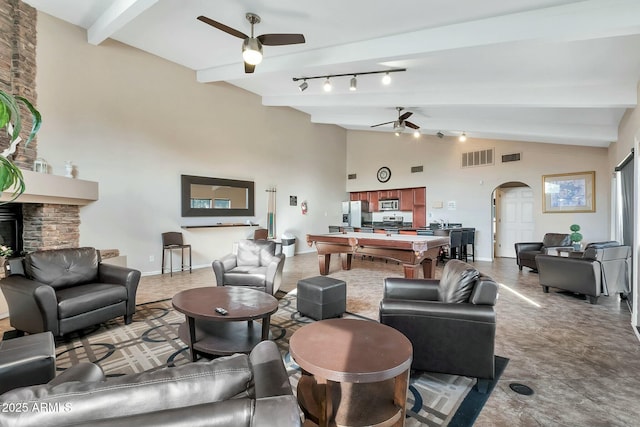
x=170, y=241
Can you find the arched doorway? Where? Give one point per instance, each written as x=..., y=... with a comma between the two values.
x=512, y=217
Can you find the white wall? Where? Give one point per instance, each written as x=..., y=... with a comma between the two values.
x=135, y=123
x=472, y=188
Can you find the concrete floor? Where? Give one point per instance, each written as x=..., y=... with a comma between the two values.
x=582, y=360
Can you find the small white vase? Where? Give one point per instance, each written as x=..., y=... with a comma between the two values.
x=68, y=167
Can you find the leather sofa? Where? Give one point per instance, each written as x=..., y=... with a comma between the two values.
x=526, y=251
x=254, y=264
x=239, y=390
x=63, y=290
x=602, y=268
x=27, y=360
x=451, y=322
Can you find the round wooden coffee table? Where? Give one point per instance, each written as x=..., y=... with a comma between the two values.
x=210, y=333
x=355, y=372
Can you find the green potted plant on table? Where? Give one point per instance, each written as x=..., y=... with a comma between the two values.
x=575, y=237
x=10, y=173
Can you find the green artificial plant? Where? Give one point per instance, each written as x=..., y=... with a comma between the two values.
x=575, y=237
x=10, y=173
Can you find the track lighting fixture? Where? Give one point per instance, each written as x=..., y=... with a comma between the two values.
x=353, y=83
x=327, y=85
x=462, y=137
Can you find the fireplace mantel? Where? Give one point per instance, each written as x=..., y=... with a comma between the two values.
x=47, y=188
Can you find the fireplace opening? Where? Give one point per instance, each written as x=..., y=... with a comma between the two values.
x=11, y=227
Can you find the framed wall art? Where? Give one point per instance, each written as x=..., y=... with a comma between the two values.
x=569, y=192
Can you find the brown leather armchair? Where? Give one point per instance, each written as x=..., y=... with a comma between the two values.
x=255, y=265
x=451, y=322
x=602, y=268
x=526, y=251
x=63, y=290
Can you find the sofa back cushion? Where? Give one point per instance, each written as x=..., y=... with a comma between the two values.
x=457, y=282
x=556, y=239
x=147, y=392
x=61, y=268
x=255, y=252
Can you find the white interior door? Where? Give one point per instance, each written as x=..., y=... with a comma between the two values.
x=514, y=219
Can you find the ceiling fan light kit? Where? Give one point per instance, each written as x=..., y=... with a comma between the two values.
x=463, y=137
x=386, y=79
x=252, y=46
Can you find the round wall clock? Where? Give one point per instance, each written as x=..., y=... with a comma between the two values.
x=384, y=174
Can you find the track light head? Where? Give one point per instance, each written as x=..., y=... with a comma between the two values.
x=327, y=85
x=353, y=84
x=303, y=86
x=440, y=135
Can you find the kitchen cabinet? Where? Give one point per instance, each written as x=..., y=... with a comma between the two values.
x=388, y=194
x=420, y=196
x=406, y=199
x=373, y=201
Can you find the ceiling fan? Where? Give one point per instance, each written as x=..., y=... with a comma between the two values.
x=252, y=46
x=399, y=125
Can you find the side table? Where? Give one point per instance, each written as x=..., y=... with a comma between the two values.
x=355, y=372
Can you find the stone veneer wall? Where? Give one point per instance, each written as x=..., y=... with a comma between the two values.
x=18, y=66
x=46, y=226
x=49, y=226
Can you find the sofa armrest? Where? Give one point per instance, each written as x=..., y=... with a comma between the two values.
x=33, y=306
x=127, y=277
x=414, y=310
x=273, y=276
x=411, y=289
x=269, y=374
x=222, y=265
x=83, y=372
x=528, y=246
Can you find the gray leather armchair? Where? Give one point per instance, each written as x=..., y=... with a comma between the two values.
x=526, y=251
x=255, y=265
x=63, y=290
x=451, y=322
x=602, y=268
x=238, y=390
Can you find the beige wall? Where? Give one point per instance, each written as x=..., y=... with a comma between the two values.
x=472, y=188
x=135, y=123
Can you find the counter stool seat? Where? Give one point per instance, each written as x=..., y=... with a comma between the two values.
x=27, y=360
x=322, y=297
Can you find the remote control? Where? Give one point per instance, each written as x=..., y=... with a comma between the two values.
x=221, y=311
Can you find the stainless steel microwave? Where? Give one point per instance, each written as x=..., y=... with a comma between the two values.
x=388, y=205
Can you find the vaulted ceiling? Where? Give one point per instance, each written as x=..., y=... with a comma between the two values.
x=553, y=71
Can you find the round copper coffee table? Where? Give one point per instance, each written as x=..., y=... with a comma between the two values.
x=210, y=333
x=355, y=372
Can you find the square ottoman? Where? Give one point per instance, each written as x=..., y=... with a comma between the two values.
x=322, y=297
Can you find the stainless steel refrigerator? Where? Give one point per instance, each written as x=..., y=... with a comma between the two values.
x=355, y=213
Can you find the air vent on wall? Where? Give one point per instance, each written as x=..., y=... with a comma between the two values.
x=515, y=157
x=351, y=176
x=477, y=158
x=415, y=169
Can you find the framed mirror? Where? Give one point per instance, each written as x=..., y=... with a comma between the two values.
x=205, y=196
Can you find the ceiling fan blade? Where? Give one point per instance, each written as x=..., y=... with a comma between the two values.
x=248, y=68
x=405, y=116
x=380, y=124
x=222, y=27
x=411, y=125
x=280, y=39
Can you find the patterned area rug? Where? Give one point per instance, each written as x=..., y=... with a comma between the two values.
x=151, y=342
